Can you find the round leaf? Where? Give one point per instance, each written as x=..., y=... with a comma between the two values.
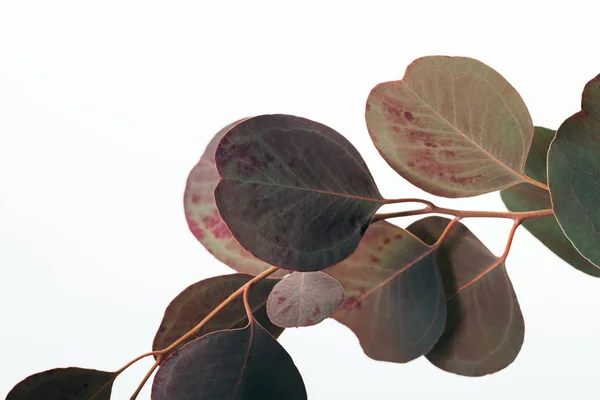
x=304, y=299
x=484, y=329
x=240, y=364
x=452, y=126
x=574, y=175
x=294, y=192
x=526, y=197
x=198, y=300
x=64, y=384
x=395, y=301
x=203, y=217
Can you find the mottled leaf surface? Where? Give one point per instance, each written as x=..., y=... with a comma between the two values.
x=203, y=217
x=394, y=301
x=574, y=175
x=304, y=299
x=294, y=192
x=198, y=300
x=485, y=328
x=452, y=126
x=240, y=364
x=527, y=197
x=64, y=384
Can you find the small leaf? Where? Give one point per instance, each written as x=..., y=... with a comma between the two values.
x=304, y=299
x=526, y=197
x=65, y=384
x=574, y=175
x=203, y=217
x=452, y=126
x=240, y=364
x=484, y=329
x=395, y=301
x=198, y=300
x=293, y=192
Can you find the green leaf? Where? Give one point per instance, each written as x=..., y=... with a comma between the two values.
x=293, y=192
x=574, y=175
x=484, y=329
x=452, y=126
x=65, y=384
x=203, y=217
x=304, y=299
x=198, y=300
x=394, y=302
x=241, y=364
x=526, y=197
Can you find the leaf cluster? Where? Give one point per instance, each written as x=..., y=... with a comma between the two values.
x=291, y=206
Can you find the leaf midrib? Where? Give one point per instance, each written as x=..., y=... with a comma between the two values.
x=346, y=195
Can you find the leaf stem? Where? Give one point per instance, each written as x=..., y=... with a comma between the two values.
x=158, y=361
x=433, y=209
x=120, y=370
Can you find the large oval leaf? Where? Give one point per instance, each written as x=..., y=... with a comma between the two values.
x=484, y=329
x=452, y=126
x=574, y=175
x=294, y=192
x=198, y=300
x=241, y=364
x=304, y=299
x=203, y=217
x=395, y=301
x=65, y=384
x=526, y=197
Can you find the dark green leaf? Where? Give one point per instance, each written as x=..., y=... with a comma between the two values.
x=452, y=126
x=198, y=300
x=484, y=329
x=242, y=364
x=203, y=217
x=64, y=384
x=574, y=175
x=526, y=197
x=304, y=299
x=394, y=302
x=294, y=192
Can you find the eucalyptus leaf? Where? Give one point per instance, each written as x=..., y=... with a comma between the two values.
x=485, y=329
x=452, y=126
x=394, y=301
x=527, y=197
x=65, y=384
x=304, y=299
x=294, y=192
x=574, y=175
x=240, y=364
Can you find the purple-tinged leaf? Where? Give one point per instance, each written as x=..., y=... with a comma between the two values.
x=203, y=217
x=527, y=197
x=484, y=329
x=198, y=300
x=304, y=299
x=64, y=384
x=574, y=175
x=452, y=126
x=394, y=296
x=240, y=364
x=294, y=192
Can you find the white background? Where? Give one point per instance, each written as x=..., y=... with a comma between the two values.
x=105, y=106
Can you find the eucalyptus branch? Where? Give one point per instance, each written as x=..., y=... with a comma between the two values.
x=433, y=209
